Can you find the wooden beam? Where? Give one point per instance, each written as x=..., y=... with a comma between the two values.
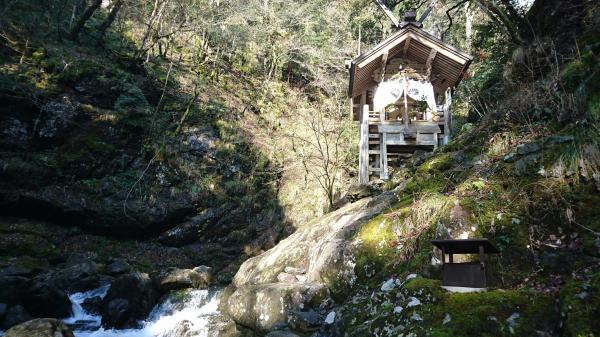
x=406, y=45
x=388, y=12
x=448, y=116
x=429, y=63
x=384, y=58
x=442, y=49
x=443, y=255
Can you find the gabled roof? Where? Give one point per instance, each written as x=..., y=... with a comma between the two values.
x=447, y=66
x=465, y=246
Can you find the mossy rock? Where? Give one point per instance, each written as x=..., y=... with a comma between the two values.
x=439, y=163
x=422, y=307
x=494, y=313
x=580, y=307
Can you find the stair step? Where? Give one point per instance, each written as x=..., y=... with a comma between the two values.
x=374, y=151
x=373, y=142
x=373, y=135
x=374, y=169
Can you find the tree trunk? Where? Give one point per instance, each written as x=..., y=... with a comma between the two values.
x=510, y=25
x=80, y=23
x=469, y=15
x=109, y=19
x=155, y=16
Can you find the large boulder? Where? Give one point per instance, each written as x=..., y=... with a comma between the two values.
x=41, y=327
x=302, y=269
x=40, y=297
x=129, y=299
x=264, y=305
x=176, y=278
x=14, y=315
x=77, y=276
x=46, y=300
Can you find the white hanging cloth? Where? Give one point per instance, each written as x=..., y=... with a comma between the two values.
x=390, y=91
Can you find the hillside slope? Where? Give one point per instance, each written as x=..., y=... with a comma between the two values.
x=526, y=176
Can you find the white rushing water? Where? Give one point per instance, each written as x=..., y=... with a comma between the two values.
x=81, y=317
x=181, y=314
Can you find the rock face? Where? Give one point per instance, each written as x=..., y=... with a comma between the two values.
x=188, y=231
x=262, y=306
x=303, y=269
x=129, y=299
x=175, y=278
x=41, y=327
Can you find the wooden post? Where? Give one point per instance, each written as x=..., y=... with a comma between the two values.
x=481, y=256
x=447, y=116
x=443, y=255
x=383, y=165
x=363, y=159
x=405, y=117
x=482, y=261
x=450, y=258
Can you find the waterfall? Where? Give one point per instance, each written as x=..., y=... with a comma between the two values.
x=186, y=313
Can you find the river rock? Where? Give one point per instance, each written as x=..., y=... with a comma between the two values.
x=92, y=305
x=175, y=278
x=14, y=315
x=118, y=267
x=129, y=299
x=80, y=274
x=41, y=327
x=264, y=305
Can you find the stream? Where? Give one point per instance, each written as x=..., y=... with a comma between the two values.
x=186, y=313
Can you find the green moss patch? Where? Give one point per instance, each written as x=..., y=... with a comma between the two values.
x=580, y=307
x=420, y=307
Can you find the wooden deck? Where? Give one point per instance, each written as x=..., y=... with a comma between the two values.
x=387, y=141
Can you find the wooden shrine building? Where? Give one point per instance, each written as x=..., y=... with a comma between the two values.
x=401, y=93
x=465, y=274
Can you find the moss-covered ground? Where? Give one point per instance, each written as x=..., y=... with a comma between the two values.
x=532, y=190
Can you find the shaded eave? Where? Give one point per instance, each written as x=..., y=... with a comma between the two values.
x=465, y=246
x=458, y=60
